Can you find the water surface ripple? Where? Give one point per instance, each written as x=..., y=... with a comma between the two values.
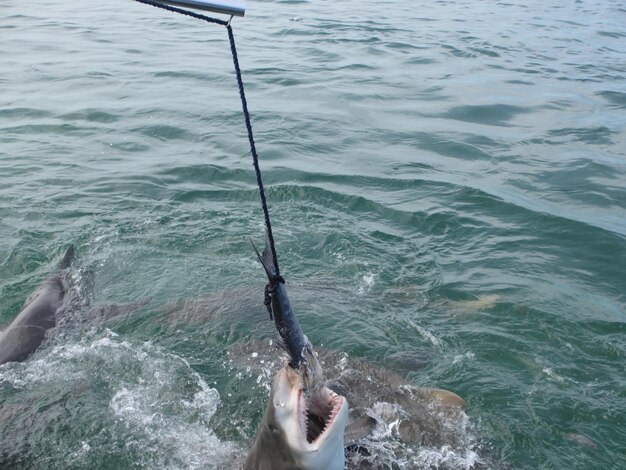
x=447, y=182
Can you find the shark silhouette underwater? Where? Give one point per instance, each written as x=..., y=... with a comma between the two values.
x=323, y=406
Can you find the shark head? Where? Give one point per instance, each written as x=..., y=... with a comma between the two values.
x=304, y=421
x=303, y=426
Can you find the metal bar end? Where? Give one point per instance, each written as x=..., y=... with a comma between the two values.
x=226, y=7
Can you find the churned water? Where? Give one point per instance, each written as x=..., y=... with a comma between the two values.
x=447, y=182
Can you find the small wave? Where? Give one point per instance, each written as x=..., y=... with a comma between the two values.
x=165, y=132
x=91, y=115
x=149, y=404
x=494, y=114
x=30, y=113
x=616, y=98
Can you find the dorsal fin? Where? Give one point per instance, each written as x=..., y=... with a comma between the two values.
x=67, y=258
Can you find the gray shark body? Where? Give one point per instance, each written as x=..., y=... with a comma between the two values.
x=38, y=315
x=56, y=304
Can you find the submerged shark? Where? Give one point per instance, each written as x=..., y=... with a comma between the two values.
x=307, y=424
x=384, y=406
x=304, y=422
x=52, y=304
x=38, y=315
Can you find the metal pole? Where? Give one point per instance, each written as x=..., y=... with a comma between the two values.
x=227, y=7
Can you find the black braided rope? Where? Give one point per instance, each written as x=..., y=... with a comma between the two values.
x=244, y=104
x=255, y=157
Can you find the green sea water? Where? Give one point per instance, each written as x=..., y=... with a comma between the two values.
x=447, y=186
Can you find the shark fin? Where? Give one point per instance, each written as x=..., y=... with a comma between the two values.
x=267, y=258
x=67, y=258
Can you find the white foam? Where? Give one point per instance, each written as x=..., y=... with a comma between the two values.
x=387, y=450
x=553, y=375
x=394, y=454
x=426, y=334
x=159, y=407
x=367, y=281
x=388, y=417
x=459, y=358
x=445, y=457
x=80, y=453
x=550, y=373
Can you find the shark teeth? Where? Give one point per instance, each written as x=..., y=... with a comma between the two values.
x=320, y=413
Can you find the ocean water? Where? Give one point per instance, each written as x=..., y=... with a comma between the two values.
x=447, y=186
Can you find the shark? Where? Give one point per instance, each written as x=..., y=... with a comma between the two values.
x=38, y=315
x=55, y=303
x=304, y=421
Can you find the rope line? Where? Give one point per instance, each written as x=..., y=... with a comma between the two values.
x=244, y=105
x=255, y=157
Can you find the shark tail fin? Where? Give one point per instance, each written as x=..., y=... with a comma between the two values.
x=67, y=258
x=267, y=258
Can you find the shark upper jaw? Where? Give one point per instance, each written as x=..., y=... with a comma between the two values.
x=313, y=420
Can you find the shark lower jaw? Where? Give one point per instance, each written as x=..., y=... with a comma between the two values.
x=321, y=413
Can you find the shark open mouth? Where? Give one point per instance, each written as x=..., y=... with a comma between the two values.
x=320, y=409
